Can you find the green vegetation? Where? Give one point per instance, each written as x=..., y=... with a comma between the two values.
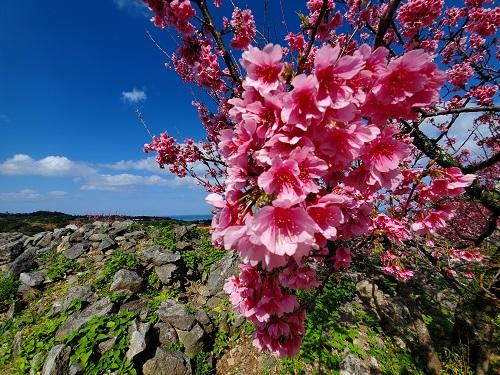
x=119, y=260
x=8, y=288
x=34, y=222
x=328, y=336
x=59, y=266
x=85, y=342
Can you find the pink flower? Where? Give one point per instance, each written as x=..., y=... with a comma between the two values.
x=244, y=28
x=341, y=143
x=263, y=67
x=296, y=277
x=404, y=275
x=483, y=22
x=310, y=168
x=300, y=104
x=342, y=258
x=434, y=220
x=411, y=80
x=459, y=74
x=449, y=182
x=327, y=215
x=416, y=14
x=281, y=337
x=283, y=180
x=332, y=73
x=295, y=41
x=385, y=153
x=283, y=231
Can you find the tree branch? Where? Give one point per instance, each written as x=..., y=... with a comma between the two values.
x=385, y=22
x=490, y=199
x=302, y=61
x=484, y=164
x=209, y=23
x=459, y=110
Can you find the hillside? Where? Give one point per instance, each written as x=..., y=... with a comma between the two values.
x=133, y=298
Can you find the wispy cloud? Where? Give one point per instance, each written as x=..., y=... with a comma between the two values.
x=21, y=195
x=134, y=96
x=57, y=194
x=147, y=164
x=91, y=176
x=130, y=4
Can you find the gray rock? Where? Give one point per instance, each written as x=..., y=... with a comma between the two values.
x=83, y=293
x=106, y=345
x=24, y=262
x=180, y=232
x=220, y=271
x=166, y=273
x=75, y=369
x=135, y=235
x=139, y=306
x=174, y=313
x=77, y=236
x=183, y=245
x=64, y=245
x=158, y=256
x=77, y=320
x=166, y=333
x=192, y=339
x=97, y=237
x=120, y=227
x=202, y=317
x=352, y=365
x=71, y=227
x=16, y=344
x=107, y=243
x=126, y=281
x=11, y=246
x=77, y=250
x=57, y=360
x=36, y=362
x=33, y=279
x=45, y=240
x=167, y=363
x=139, y=338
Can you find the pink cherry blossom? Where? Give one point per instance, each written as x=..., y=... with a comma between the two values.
x=263, y=67
x=342, y=258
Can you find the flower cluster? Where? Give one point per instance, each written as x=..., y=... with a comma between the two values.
x=303, y=168
x=244, y=28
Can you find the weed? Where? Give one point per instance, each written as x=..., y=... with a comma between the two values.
x=86, y=340
x=9, y=283
x=119, y=260
x=60, y=267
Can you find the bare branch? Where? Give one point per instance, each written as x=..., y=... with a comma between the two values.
x=303, y=58
x=209, y=23
x=385, y=22
x=459, y=110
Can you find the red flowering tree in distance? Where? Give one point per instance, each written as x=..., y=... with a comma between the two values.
x=337, y=142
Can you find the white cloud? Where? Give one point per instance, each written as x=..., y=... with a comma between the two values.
x=57, y=194
x=91, y=176
x=134, y=96
x=121, y=181
x=21, y=195
x=148, y=164
x=130, y=4
x=24, y=165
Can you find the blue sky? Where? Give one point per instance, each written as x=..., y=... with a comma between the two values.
x=69, y=141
